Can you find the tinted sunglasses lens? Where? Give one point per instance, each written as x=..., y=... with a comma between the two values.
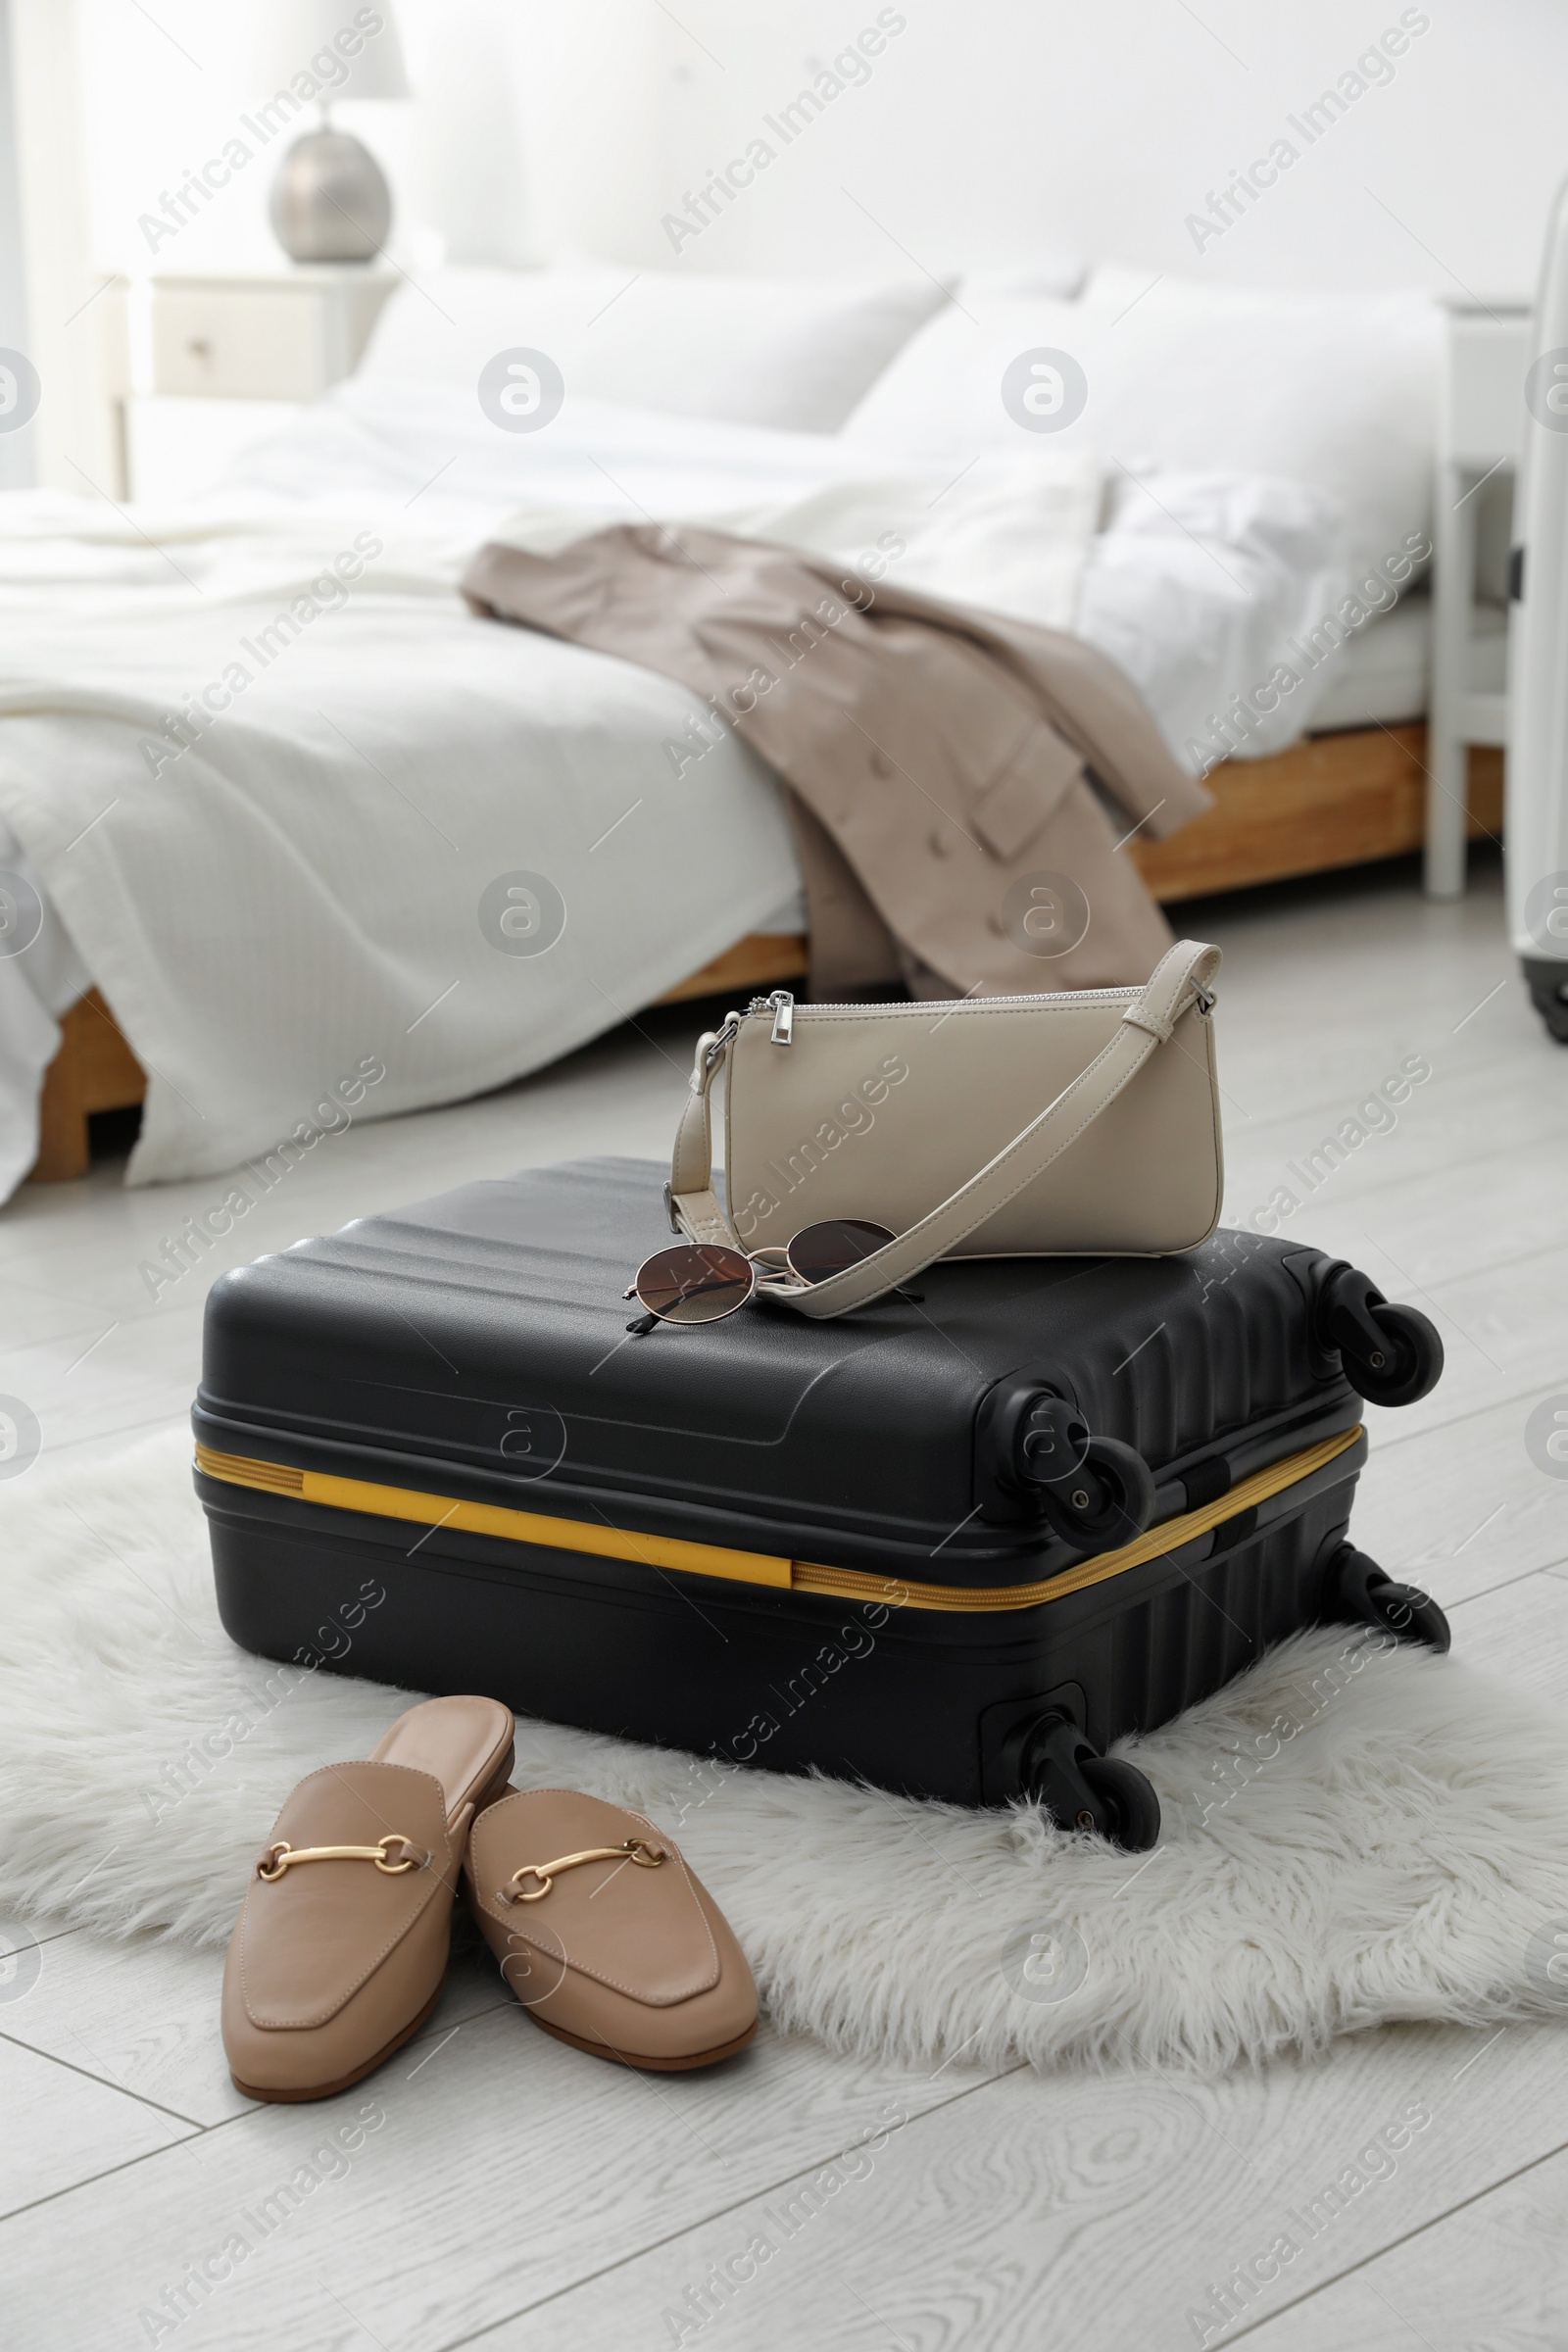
x=828, y=1248
x=698, y=1283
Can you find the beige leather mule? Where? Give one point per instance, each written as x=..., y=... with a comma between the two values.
x=338, y=1954
x=605, y=1936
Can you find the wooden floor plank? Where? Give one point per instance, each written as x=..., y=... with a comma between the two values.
x=62, y=2128
x=1101, y=2213
x=494, y=2171
x=1491, y=1209
x=1461, y=1507
x=1520, y=1636
x=1465, y=1132
x=1493, y=2275
x=144, y=2017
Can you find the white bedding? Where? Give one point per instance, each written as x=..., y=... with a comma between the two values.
x=40, y=975
x=298, y=890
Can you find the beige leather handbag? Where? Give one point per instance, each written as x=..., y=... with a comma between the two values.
x=1081, y=1124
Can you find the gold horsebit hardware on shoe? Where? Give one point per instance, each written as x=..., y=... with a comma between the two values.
x=283, y=1856
x=634, y=1849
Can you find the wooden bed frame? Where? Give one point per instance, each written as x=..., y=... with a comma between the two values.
x=1332, y=800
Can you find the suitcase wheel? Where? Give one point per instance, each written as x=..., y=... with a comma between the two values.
x=1130, y=1797
x=1105, y=1496
x=1390, y=1355
x=1364, y=1595
x=1083, y=1789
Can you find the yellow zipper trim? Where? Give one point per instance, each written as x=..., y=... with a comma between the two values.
x=758, y=1567
x=851, y=1584
x=491, y=1519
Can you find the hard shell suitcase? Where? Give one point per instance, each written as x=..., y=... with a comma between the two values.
x=955, y=1544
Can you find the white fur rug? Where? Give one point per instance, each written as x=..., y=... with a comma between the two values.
x=1351, y=1836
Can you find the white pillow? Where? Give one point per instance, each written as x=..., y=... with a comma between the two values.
x=754, y=351
x=1336, y=391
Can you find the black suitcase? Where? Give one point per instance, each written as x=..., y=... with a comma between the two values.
x=909, y=1545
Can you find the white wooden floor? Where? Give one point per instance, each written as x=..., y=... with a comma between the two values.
x=514, y=2193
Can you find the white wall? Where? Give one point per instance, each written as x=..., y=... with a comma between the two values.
x=16, y=448
x=985, y=134
x=1003, y=127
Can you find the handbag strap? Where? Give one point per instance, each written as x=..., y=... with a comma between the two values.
x=1181, y=978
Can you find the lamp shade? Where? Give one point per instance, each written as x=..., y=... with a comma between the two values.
x=349, y=48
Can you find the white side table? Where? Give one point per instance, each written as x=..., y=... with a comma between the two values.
x=1480, y=406
x=233, y=357
x=285, y=334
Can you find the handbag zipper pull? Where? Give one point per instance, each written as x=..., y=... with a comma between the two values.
x=781, y=1003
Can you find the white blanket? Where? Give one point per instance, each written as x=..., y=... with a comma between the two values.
x=266, y=766
x=299, y=889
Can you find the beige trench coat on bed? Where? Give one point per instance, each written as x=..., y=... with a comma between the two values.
x=937, y=761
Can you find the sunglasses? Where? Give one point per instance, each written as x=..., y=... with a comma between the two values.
x=703, y=1281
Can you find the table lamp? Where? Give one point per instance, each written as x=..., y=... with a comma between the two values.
x=331, y=201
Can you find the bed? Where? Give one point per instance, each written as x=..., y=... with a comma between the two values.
x=267, y=886
x=1336, y=800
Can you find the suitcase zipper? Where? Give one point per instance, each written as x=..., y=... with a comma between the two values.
x=852, y=1584
x=604, y=1541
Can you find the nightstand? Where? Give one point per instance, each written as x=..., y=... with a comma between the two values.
x=234, y=357
x=1480, y=417
x=281, y=335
